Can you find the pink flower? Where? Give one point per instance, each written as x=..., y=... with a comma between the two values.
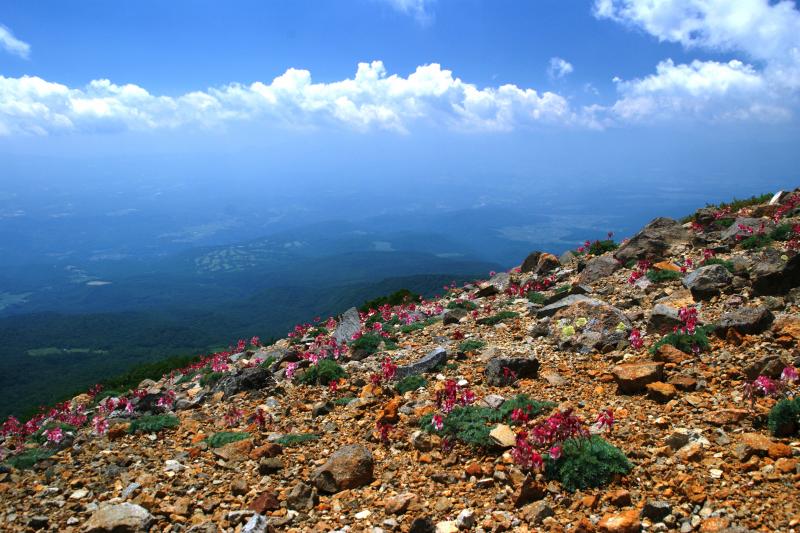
x=255, y=341
x=554, y=452
x=605, y=419
x=437, y=422
x=54, y=436
x=99, y=425
x=789, y=374
x=767, y=386
x=291, y=368
x=635, y=339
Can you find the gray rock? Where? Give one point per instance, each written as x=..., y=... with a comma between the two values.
x=550, y=310
x=466, y=519
x=256, y=524
x=496, y=285
x=730, y=233
x=269, y=465
x=246, y=379
x=321, y=409
x=656, y=510
x=769, y=365
x=774, y=276
x=422, y=525
x=38, y=522
x=568, y=258
x=653, y=241
x=663, y=319
x=522, y=367
x=539, y=511
x=432, y=360
x=453, y=316
x=598, y=268
x=302, y=497
x=349, y=325
x=119, y=518
x=347, y=468
x=749, y=320
x=708, y=281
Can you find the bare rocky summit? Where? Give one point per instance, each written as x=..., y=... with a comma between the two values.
x=665, y=348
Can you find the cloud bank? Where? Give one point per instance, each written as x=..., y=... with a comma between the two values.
x=559, y=68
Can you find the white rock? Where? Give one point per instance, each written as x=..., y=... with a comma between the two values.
x=361, y=515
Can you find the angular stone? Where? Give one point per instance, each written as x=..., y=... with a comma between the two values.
x=670, y=354
x=454, y=316
x=399, y=504
x=522, y=367
x=246, y=379
x=435, y=358
x=661, y=392
x=772, y=275
x=598, y=268
x=622, y=522
x=347, y=468
x=119, y=518
x=708, y=281
x=656, y=510
x=529, y=265
x=683, y=383
x=256, y=524
x=725, y=417
x=663, y=319
x=653, y=241
x=266, y=501
x=235, y=452
x=503, y=436
x=528, y=491
x=302, y=497
x=349, y=325
x=634, y=377
x=496, y=285
x=748, y=320
x=730, y=233
x=550, y=310
x=769, y=365
x=751, y=444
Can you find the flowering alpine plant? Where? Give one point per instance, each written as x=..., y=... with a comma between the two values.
x=789, y=374
x=687, y=264
x=241, y=345
x=687, y=315
x=642, y=266
x=437, y=422
x=509, y=376
x=708, y=254
x=389, y=369
x=255, y=341
x=605, y=420
x=94, y=391
x=291, y=368
x=260, y=418
x=54, y=435
x=384, y=430
x=771, y=388
x=233, y=416
x=635, y=339
x=787, y=206
x=167, y=400
x=99, y=425
x=333, y=386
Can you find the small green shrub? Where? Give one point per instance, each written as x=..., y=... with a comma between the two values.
x=343, y=401
x=471, y=345
x=462, y=304
x=30, y=457
x=587, y=463
x=601, y=247
x=417, y=326
x=784, y=418
x=466, y=424
x=563, y=288
x=268, y=362
x=322, y=373
x=759, y=240
x=112, y=393
x=497, y=318
x=631, y=263
x=783, y=232
x=153, y=423
x=226, y=437
x=716, y=261
x=295, y=439
x=684, y=341
x=737, y=204
x=187, y=377
x=409, y=383
x=209, y=378
x=657, y=276
x=723, y=223
x=367, y=343
x=521, y=401
x=536, y=297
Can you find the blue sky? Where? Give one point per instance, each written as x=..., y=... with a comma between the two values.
x=635, y=87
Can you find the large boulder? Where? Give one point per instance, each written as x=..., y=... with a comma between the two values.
x=246, y=379
x=598, y=268
x=773, y=275
x=119, y=518
x=435, y=358
x=349, y=325
x=653, y=241
x=663, y=319
x=588, y=325
x=553, y=308
x=708, y=281
x=755, y=224
x=529, y=265
x=347, y=468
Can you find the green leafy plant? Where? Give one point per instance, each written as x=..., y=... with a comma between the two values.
x=187, y=377
x=462, y=304
x=686, y=342
x=409, y=383
x=587, y=462
x=723, y=223
x=209, y=378
x=759, y=240
x=39, y=435
x=536, y=297
x=153, y=423
x=716, y=261
x=657, y=276
x=782, y=232
x=322, y=373
x=295, y=439
x=343, y=401
x=419, y=325
x=601, y=247
x=497, y=318
x=532, y=407
x=226, y=437
x=29, y=458
x=784, y=418
x=368, y=344
x=471, y=345
x=268, y=362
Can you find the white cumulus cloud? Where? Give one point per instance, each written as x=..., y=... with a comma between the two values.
x=421, y=10
x=558, y=68
x=372, y=99
x=761, y=84
x=13, y=45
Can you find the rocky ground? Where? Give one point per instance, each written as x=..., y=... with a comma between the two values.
x=703, y=458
